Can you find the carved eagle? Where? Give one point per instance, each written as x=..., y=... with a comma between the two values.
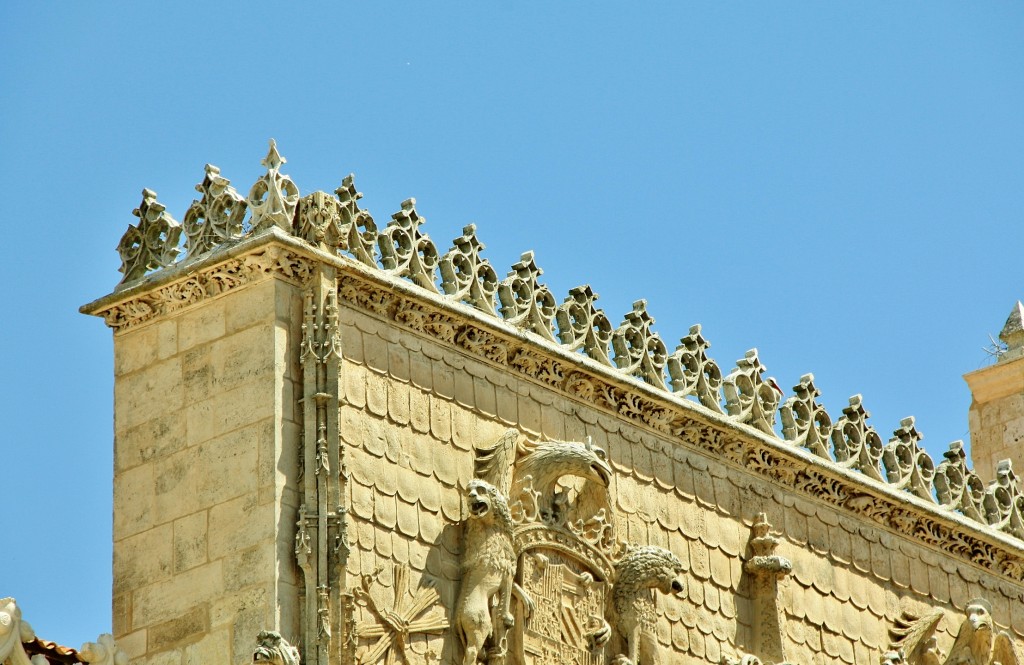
x=976, y=641
x=510, y=463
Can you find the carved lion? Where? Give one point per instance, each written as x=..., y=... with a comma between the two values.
x=273, y=649
x=488, y=564
x=640, y=570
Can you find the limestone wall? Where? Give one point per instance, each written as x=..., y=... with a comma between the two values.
x=412, y=410
x=204, y=482
x=997, y=415
x=228, y=379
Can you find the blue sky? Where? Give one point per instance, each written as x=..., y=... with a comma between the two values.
x=836, y=184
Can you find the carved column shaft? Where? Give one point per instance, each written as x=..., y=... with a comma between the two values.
x=322, y=515
x=766, y=569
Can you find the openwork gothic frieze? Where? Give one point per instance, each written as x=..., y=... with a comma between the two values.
x=457, y=298
x=681, y=422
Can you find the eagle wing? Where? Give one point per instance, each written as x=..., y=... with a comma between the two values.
x=913, y=636
x=1004, y=652
x=494, y=463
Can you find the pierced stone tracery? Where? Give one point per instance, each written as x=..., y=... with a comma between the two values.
x=634, y=349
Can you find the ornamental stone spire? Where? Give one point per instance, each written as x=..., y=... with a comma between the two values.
x=1012, y=334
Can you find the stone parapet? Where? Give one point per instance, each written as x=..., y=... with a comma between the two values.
x=380, y=372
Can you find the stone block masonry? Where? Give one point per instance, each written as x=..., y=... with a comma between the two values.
x=205, y=477
x=385, y=466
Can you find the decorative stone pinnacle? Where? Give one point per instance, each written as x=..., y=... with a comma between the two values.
x=406, y=251
x=273, y=161
x=151, y=245
x=1012, y=333
x=762, y=542
x=466, y=275
x=907, y=465
x=639, y=351
x=274, y=197
x=215, y=218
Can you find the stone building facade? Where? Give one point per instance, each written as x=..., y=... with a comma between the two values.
x=386, y=453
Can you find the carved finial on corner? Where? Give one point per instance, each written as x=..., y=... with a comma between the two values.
x=151, y=245
x=216, y=217
x=13, y=632
x=274, y=196
x=1013, y=334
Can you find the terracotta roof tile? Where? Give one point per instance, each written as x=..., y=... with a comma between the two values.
x=53, y=652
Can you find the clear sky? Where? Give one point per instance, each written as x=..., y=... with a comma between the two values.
x=836, y=184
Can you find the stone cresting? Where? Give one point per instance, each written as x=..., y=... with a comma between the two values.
x=151, y=245
x=216, y=217
x=626, y=370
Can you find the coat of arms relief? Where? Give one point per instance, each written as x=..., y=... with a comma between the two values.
x=545, y=581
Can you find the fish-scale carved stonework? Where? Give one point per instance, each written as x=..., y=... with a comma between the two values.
x=488, y=476
x=977, y=641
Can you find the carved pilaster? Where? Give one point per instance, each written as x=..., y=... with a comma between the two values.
x=766, y=569
x=321, y=545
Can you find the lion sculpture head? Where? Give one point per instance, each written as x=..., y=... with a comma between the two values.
x=273, y=649
x=486, y=504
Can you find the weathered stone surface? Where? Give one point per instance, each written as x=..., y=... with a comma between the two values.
x=230, y=418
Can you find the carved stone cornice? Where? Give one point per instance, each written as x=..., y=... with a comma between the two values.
x=719, y=436
x=276, y=253
x=250, y=260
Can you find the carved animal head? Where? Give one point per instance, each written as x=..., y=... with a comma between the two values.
x=649, y=567
x=486, y=503
x=273, y=649
x=973, y=644
x=319, y=218
x=979, y=614
x=479, y=497
x=549, y=461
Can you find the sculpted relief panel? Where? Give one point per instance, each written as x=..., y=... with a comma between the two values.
x=619, y=521
x=545, y=581
x=545, y=527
